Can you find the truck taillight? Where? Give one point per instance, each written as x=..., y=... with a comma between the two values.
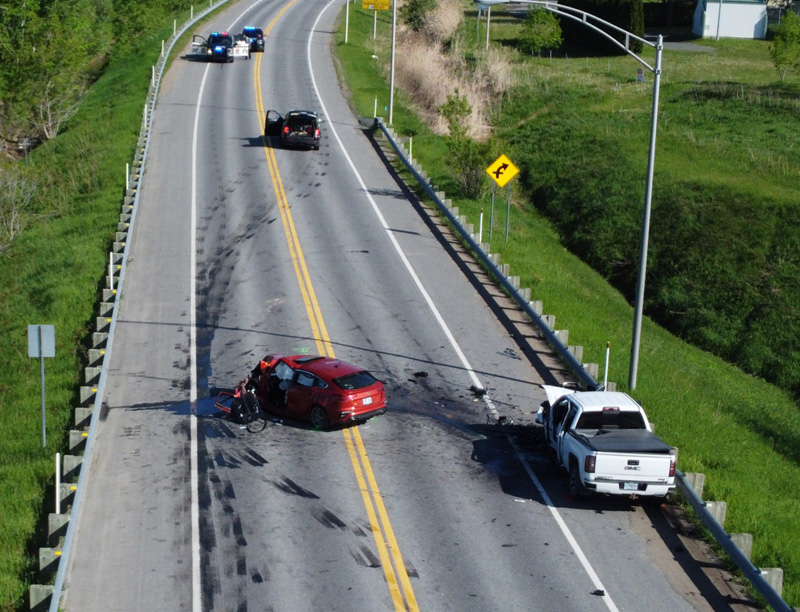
x=589, y=464
x=672, y=463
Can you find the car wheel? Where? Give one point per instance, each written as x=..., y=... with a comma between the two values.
x=576, y=489
x=319, y=418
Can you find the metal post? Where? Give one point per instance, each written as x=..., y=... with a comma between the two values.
x=478, y=26
x=346, y=20
x=58, y=483
x=480, y=229
x=111, y=271
x=605, y=376
x=374, y=24
x=391, y=74
x=491, y=212
x=508, y=209
x=488, y=19
x=41, y=371
x=719, y=17
x=648, y=196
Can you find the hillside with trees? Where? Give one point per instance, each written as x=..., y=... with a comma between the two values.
x=51, y=51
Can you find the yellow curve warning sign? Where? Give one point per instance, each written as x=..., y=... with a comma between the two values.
x=502, y=171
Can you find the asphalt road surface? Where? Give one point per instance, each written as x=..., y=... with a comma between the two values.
x=241, y=248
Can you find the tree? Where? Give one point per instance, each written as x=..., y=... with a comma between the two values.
x=785, y=51
x=468, y=155
x=415, y=13
x=541, y=30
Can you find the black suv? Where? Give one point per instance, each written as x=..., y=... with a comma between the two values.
x=299, y=128
x=256, y=38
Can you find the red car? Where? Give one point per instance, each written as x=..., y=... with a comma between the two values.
x=322, y=390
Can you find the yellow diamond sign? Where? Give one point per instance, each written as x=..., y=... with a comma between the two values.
x=502, y=171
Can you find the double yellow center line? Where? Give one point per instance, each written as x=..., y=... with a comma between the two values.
x=391, y=560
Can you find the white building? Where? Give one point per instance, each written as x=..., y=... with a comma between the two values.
x=730, y=19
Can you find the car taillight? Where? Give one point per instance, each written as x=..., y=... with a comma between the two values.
x=316, y=133
x=672, y=463
x=285, y=129
x=589, y=464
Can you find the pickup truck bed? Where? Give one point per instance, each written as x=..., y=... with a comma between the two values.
x=625, y=441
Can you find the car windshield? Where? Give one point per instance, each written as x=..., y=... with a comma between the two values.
x=611, y=419
x=218, y=39
x=359, y=380
x=253, y=32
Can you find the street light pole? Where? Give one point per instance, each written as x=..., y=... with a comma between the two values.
x=602, y=27
x=648, y=198
x=391, y=73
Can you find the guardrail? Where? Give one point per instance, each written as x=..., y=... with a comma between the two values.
x=55, y=557
x=755, y=575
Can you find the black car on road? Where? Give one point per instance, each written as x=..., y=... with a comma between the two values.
x=298, y=128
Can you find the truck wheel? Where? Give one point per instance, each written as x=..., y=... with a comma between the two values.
x=576, y=489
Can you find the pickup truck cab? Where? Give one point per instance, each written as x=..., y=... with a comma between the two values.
x=605, y=442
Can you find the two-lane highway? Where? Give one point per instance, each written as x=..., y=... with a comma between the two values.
x=242, y=248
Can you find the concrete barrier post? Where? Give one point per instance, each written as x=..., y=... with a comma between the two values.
x=697, y=481
x=40, y=596
x=774, y=576
x=744, y=542
x=56, y=528
x=718, y=509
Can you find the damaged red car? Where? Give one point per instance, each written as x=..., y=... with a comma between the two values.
x=323, y=390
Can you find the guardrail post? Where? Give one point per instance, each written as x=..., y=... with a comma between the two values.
x=718, y=510
x=56, y=528
x=744, y=542
x=40, y=596
x=48, y=561
x=697, y=482
x=774, y=577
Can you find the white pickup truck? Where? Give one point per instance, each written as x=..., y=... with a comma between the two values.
x=605, y=442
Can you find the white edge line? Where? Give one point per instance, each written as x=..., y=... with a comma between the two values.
x=197, y=602
x=564, y=529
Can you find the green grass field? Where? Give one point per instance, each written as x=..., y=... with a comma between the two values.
x=741, y=432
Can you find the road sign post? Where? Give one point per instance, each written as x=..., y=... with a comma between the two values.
x=41, y=344
x=501, y=171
